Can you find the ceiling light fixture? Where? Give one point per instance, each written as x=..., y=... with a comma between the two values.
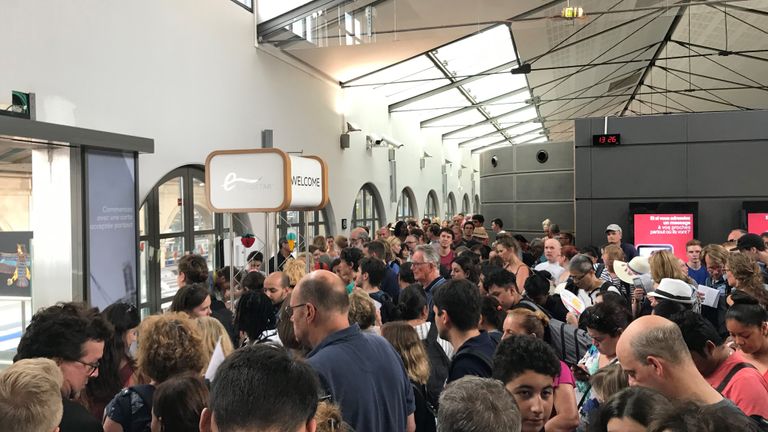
x=572, y=12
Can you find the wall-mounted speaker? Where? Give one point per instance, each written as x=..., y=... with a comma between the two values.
x=344, y=141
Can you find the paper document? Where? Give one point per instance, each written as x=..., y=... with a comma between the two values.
x=217, y=358
x=710, y=295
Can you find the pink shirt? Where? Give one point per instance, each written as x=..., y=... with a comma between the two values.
x=747, y=389
x=565, y=377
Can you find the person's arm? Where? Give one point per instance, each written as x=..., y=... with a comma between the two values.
x=567, y=418
x=411, y=426
x=112, y=426
x=521, y=276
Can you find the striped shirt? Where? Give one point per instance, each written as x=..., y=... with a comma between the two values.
x=422, y=330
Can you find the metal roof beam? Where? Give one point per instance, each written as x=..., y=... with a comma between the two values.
x=486, y=121
x=468, y=108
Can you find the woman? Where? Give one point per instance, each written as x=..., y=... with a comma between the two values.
x=178, y=403
x=330, y=247
x=193, y=299
x=509, y=250
x=341, y=243
x=566, y=253
x=611, y=253
x=255, y=319
x=169, y=345
x=117, y=365
x=747, y=323
x=604, y=323
x=212, y=333
x=664, y=264
x=295, y=270
x=522, y=321
x=406, y=342
x=492, y=317
x=362, y=311
x=630, y=410
x=464, y=267
x=396, y=248
x=744, y=274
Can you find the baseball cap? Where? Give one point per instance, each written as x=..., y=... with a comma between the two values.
x=613, y=227
x=748, y=241
x=673, y=290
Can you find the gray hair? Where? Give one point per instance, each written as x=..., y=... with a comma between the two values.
x=581, y=263
x=473, y=404
x=664, y=341
x=430, y=254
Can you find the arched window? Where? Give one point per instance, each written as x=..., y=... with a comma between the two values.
x=174, y=220
x=367, y=209
x=293, y=222
x=406, y=206
x=465, y=204
x=432, y=208
x=450, y=206
x=477, y=203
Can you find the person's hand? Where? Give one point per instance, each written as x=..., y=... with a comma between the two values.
x=572, y=319
x=580, y=372
x=638, y=294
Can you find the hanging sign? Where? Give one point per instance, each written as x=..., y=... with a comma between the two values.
x=309, y=183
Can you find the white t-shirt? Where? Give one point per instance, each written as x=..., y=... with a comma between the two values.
x=553, y=268
x=589, y=298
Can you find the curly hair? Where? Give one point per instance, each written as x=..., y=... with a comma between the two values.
x=362, y=310
x=295, y=270
x=748, y=276
x=254, y=314
x=169, y=344
x=518, y=354
x=61, y=330
x=328, y=418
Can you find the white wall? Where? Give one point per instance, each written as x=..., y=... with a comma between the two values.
x=187, y=75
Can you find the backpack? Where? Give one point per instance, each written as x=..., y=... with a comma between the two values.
x=139, y=421
x=438, y=365
x=762, y=423
x=472, y=352
x=389, y=310
x=424, y=414
x=570, y=343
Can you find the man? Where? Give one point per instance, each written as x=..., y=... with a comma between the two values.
x=277, y=262
x=425, y=223
x=478, y=220
x=255, y=261
x=419, y=235
x=361, y=372
x=458, y=219
x=260, y=388
x=349, y=265
x=73, y=335
x=457, y=237
x=753, y=246
x=497, y=225
x=566, y=239
x=359, y=238
x=411, y=242
x=715, y=258
x=614, y=234
x=764, y=236
x=383, y=232
x=474, y=404
x=527, y=366
x=468, y=230
x=501, y=284
x=425, y=263
x=434, y=235
x=277, y=286
x=727, y=372
x=736, y=234
x=30, y=396
x=377, y=249
x=653, y=354
x=369, y=278
x=480, y=237
x=552, y=249
x=696, y=270
x=446, y=253
x=192, y=268
x=457, y=315
x=586, y=281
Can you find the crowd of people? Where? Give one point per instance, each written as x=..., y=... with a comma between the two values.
x=417, y=327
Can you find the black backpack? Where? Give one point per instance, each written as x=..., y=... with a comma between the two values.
x=139, y=421
x=570, y=343
x=389, y=310
x=425, y=414
x=438, y=365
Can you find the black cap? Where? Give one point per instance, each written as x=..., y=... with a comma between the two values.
x=749, y=241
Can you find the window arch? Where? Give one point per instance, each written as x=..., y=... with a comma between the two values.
x=406, y=205
x=450, y=206
x=174, y=219
x=432, y=209
x=293, y=222
x=465, y=204
x=367, y=211
x=477, y=203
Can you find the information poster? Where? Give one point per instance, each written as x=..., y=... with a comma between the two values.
x=757, y=222
x=664, y=231
x=111, y=228
x=15, y=263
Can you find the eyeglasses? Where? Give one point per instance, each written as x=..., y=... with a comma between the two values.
x=93, y=367
x=414, y=263
x=291, y=308
x=577, y=277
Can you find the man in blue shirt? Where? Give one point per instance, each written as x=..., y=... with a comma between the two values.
x=361, y=372
x=457, y=314
x=614, y=235
x=696, y=270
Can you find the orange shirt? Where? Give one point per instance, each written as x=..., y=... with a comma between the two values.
x=747, y=389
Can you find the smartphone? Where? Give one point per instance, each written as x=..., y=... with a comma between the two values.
x=647, y=250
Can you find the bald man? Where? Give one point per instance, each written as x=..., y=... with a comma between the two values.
x=552, y=249
x=362, y=372
x=653, y=353
x=277, y=286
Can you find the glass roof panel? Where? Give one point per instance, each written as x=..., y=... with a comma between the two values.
x=523, y=128
x=472, y=132
x=494, y=139
x=527, y=137
x=520, y=116
x=507, y=104
x=538, y=140
x=450, y=99
x=494, y=85
x=460, y=120
x=479, y=52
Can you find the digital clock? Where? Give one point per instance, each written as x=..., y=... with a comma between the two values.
x=607, y=139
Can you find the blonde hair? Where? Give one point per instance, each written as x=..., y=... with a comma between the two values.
x=295, y=269
x=534, y=323
x=30, y=396
x=362, y=310
x=408, y=344
x=664, y=264
x=169, y=344
x=211, y=332
x=328, y=418
x=608, y=381
x=716, y=253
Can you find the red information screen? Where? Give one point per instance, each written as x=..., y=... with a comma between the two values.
x=757, y=222
x=663, y=231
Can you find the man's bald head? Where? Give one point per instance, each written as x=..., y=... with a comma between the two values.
x=278, y=279
x=653, y=336
x=324, y=290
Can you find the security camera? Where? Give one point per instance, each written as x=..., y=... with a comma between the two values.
x=494, y=161
x=378, y=141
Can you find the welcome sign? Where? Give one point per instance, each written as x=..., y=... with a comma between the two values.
x=264, y=180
